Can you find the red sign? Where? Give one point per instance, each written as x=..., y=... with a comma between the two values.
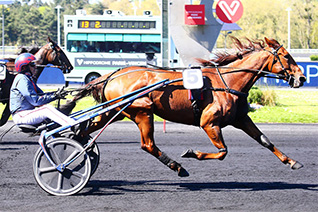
x=229, y=11
x=194, y=14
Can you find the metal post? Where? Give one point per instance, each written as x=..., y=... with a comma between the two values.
x=58, y=7
x=288, y=11
x=4, y=3
x=165, y=34
x=3, y=52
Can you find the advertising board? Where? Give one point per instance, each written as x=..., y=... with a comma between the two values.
x=194, y=14
x=310, y=70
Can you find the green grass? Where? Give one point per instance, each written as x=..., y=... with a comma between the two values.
x=293, y=106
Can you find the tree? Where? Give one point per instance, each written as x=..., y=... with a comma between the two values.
x=263, y=20
x=304, y=14
x=49, y=23
x=122, y=5
x=29, y=24
x=95, y=9
x=269, y=18
x=130, y=7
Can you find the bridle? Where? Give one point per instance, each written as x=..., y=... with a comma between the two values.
x=57, y=51
x=286, y=76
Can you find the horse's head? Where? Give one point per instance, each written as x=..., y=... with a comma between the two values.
x=53, y=54
x=282, y=63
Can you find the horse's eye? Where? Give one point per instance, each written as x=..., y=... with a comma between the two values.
x=287, y=56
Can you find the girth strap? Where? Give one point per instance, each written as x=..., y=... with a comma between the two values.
x=196, y=98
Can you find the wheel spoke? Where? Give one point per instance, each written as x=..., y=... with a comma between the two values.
x=69, y=158
x=46, y=169
x=54, y=156
x=78, y=174
x=60, y=182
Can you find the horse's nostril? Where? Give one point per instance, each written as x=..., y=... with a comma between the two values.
x=302, y=79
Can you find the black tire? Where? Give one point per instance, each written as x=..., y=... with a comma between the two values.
x=92, y=76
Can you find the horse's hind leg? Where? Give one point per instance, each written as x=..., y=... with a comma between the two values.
x=215, y=135
x=144, y=121
x=247, y=125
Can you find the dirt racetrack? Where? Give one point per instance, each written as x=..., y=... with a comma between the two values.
x=250, y=178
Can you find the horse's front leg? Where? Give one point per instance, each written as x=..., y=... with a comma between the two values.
x=215, y=135
x=144, y=121
x=247, y=125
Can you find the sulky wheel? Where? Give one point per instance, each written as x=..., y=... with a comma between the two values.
x=93, y=151
x=94, y=155
x=69, y=181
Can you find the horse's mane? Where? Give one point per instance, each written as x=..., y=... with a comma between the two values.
x=224, y=58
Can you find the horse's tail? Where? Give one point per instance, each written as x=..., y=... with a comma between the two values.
x=95, y=87
x=87, y=90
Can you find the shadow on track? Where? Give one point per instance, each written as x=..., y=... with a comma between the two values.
x=97, y=187
x=20, y=143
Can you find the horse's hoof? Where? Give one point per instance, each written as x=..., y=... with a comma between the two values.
x=189, y=154
x=296, y=165
x=182, y=172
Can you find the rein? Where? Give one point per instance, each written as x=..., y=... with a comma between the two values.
x=286, y=75
x=44, y=66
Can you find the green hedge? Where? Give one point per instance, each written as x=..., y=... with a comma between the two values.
x=263, y=97
x=314, y=57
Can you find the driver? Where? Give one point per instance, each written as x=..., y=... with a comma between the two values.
x=28, y=104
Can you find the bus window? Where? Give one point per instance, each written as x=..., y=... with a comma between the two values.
x=115, y=47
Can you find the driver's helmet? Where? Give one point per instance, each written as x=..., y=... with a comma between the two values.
x=23, y=60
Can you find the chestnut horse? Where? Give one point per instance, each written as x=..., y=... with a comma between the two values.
x=224, y=103
x=50, y=53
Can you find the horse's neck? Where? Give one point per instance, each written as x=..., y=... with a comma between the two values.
x=244, y=80
x=41, y=58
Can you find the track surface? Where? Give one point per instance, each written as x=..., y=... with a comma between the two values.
x=250, y=178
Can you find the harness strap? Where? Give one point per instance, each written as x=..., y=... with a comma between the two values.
x=108, y=78
x=220, y=75
x=227, y=89
x=232, y=91
x=196, y=97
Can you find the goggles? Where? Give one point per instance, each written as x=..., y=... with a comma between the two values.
x=32, y=64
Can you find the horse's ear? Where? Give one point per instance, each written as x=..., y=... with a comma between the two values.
x=49, y=39
x=272, y=43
